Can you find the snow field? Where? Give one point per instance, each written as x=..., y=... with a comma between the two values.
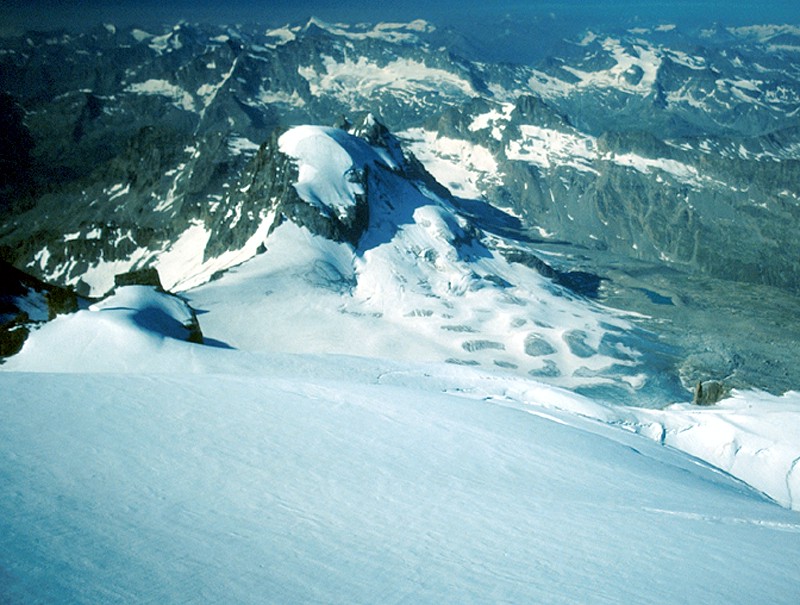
x=750, y=435
x=549, y=148
x=425, y=275
x=354, y=81
x=180, y=97
x=142, y=467
x=463, y=167
x=469, y=169
x=413, y=299
x=642, y=58
x=295, y=487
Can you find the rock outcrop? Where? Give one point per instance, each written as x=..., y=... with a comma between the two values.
x=709, y=392
x=26, y=301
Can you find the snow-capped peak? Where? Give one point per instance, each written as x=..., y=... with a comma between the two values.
x=327, y=160
x=388, y=32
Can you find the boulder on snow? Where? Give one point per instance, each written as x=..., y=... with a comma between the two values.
x=154, y=311
x=193, y=326
x=709, y=392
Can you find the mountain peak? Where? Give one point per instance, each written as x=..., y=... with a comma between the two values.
x=315, y=25
x=388, y=32
x=376, y=134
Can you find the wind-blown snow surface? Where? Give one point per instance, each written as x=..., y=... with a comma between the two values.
x=151, y=469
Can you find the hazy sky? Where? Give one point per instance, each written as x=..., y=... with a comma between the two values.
x=46, y=14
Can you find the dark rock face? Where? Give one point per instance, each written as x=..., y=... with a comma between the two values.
x=141, y=277
x=22, y=295
x=16, y=145
x=267, y=187
x=581, y=282
x=195, y=332
x=17, y=284
x=13, y=336
x=708, y=212
x=533, y=110
x=60, y=301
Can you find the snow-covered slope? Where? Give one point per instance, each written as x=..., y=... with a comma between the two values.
x=334, y=455
x=197, y=474
x=111, y=334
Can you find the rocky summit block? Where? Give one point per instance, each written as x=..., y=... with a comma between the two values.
x=709, y=392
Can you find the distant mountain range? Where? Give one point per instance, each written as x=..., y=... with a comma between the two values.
x=653, y=143
x=128, y=149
